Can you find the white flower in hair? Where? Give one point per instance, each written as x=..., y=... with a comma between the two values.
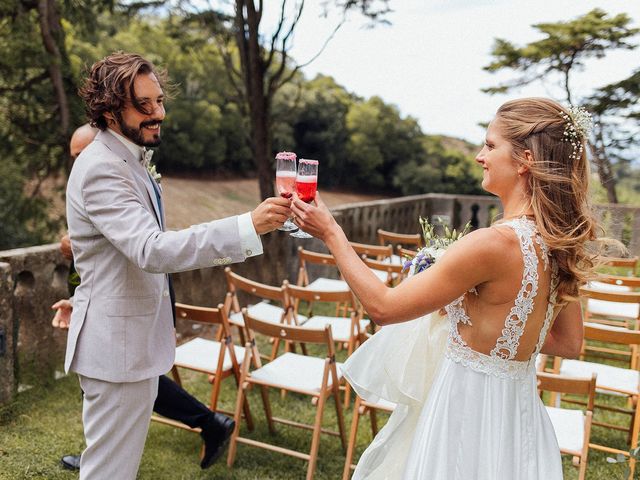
x=581, y=119
x=578, y=124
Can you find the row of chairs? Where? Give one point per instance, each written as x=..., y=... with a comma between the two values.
x=611, y=308
x=282, y=323
x=277, y=314
x=317, y=377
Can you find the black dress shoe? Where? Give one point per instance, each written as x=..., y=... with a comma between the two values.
x=216, y=438
x=70, y=462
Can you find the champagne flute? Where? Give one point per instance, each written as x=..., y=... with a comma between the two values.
x=306, y=186
x=286, y=182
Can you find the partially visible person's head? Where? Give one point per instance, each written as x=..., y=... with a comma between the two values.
x=549, y=142
x=82, y=137
x=124, y=92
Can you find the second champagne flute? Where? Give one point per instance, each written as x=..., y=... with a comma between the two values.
x=306, y=186
x=286, y=182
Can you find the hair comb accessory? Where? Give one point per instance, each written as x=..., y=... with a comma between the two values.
x=578, y=125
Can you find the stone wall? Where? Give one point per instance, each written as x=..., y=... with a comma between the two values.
x=32, y=279
x=7, y=329
x=38, y=278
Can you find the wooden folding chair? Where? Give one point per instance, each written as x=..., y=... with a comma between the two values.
x=378, y=252
x=324, y=284
x=349, y=331
x=628, y=264
x=612, y=380
x=306, y=258
x=272, y=306
x=307, y=375
x=413, y=240
x=623, y=283
x=572, y=427
x=615, y=305
x=393, y=273
x=362, y=407
x=382, y=253
x=217, y=358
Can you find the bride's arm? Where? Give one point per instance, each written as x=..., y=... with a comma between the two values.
x=565, y=336
x=468, y=263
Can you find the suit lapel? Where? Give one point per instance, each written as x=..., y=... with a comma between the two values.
x=142, y=176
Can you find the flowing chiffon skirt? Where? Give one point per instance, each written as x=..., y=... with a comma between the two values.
x=450, y=422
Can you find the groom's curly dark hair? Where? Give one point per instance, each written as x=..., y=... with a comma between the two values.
x=109, y=85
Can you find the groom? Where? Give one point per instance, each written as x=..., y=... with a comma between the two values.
x=121, y=336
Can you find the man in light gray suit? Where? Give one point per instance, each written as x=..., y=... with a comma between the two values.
x=121, y=336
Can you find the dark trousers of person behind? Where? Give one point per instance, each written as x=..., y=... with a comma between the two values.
x=175, y=403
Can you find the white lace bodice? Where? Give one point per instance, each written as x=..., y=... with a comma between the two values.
x=500, y=361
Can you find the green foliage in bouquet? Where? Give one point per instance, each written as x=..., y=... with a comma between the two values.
x=431, y=239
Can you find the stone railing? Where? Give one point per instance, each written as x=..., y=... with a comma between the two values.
x=32, y=279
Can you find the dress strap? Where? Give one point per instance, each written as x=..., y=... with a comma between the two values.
x=552, y=301
x=507, y=344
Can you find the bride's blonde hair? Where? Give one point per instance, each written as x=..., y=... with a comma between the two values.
x=558, y=183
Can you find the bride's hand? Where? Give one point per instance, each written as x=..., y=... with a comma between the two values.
x=316, y=220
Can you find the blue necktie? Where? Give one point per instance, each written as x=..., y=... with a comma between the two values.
x=156, y=189
x=172, y=293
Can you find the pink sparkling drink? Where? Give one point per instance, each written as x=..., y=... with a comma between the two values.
x=306, y=186
x=286, y=173
x=286, y=183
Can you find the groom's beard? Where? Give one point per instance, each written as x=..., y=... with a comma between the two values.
x=135, y=134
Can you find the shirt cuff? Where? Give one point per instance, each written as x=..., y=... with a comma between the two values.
x=249, y=239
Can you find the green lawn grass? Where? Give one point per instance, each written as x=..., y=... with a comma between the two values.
x=44, y=423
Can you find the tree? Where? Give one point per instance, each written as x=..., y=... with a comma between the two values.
x=564, y=49
x=259, y=65
x=317, y=115
x=36, y=112
x=439, y=170
x=380, y=142
x=202, y=129
x=616, y=111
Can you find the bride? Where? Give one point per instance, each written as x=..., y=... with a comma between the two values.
x=465, y=388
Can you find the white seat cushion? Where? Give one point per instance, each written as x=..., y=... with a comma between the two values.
x=323, y=284
x=202, y=354
x=613, y=309
x=293, y=371
x=607, y=375
x=569, y=427
x=395, y=260
x=263, y=311
x=382, y=275
x=609, y=287
x=340, y=326
x=602, y=326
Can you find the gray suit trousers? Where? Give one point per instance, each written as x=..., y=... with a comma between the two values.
x=116, y=420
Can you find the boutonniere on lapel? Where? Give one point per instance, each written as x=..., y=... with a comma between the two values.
x=151, y=168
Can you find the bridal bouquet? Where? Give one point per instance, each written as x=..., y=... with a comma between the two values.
x=435, y=246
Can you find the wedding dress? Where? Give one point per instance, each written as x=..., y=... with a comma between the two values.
x=460, y=414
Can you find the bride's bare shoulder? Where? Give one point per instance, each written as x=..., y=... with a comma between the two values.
x=490, y=239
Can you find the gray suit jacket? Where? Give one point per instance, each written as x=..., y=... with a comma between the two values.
x=122, y=326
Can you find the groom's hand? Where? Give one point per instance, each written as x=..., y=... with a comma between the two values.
x=271, y=214
x=62, y=318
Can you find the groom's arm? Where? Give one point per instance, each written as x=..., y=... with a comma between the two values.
x=114, y=206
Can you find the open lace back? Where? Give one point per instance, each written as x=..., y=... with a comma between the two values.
x=502, y=359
